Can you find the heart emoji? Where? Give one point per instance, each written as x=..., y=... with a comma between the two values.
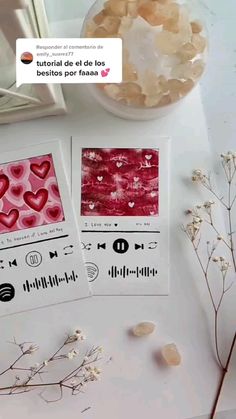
x=91, y=206
x=100, y=178
x=4, y=185
x=54, y=212
x=148, y=157
x=40, y=170
x=131, y=204
x=104, y=73
x=119, y=164
x=17, y=171
x=136, y=179
x=8, y=220
x=37, y=200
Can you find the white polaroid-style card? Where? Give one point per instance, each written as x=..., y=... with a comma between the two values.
x=121, y=197
x=41, y=262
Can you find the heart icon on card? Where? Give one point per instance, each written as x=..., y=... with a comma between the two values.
x=148, y=157
x=99, y=178
x=55, y=190
x=131, y=204
x=4, y=185
x=40, y=170
x=29, y=220
x=104, y=73
x=37, y=200
x=53, y=212
x=17, y=171
x=8, y=220
x=91, y=206
x=119, y=164
x=16, y=190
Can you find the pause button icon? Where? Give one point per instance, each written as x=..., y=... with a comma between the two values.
x=120, y=246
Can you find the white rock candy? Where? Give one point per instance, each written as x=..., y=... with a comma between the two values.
x=171, y=355
x=143, y=329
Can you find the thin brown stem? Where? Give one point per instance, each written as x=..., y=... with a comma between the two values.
x=12, y=365
x=222, y=379
x=205, y=271
x=37, y=371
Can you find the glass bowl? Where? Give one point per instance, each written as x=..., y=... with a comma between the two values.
x=164, y=54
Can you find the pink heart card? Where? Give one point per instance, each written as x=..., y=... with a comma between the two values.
x=41, y=262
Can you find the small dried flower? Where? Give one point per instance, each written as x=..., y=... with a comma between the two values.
x=188, y=212
x=45, y=363
x=32, y=348
x=220, y=238
x=208, y=204
x=72, y=354
x=227, y=157
x=225, y=266
x=93, y=373
x=198, y=175
x=216, y=259
x=197, y=219
x=82, y=337
x=35, y=366
x=76, y=336
x=192, y=229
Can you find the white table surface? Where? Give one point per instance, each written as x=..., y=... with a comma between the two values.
x=133, y=384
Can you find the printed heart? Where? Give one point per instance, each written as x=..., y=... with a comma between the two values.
x=40, y=170
x=53, y=212
x=153, y=194
x=136, y=179
x=119, y=164
x=37, y=200
x=16, y=190
x=29, y=221
x=131, y=204
x=4, y=185
x=91, y=206
x=17, y=171
x=148, y=157
x=55, y=190
x=152, y=213
x=99, y=178
x=8, y=220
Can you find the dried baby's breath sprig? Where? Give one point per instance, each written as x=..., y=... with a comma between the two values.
x=31, y=378
x=204, y=214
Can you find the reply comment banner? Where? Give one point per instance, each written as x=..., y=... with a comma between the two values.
x=77, y=60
